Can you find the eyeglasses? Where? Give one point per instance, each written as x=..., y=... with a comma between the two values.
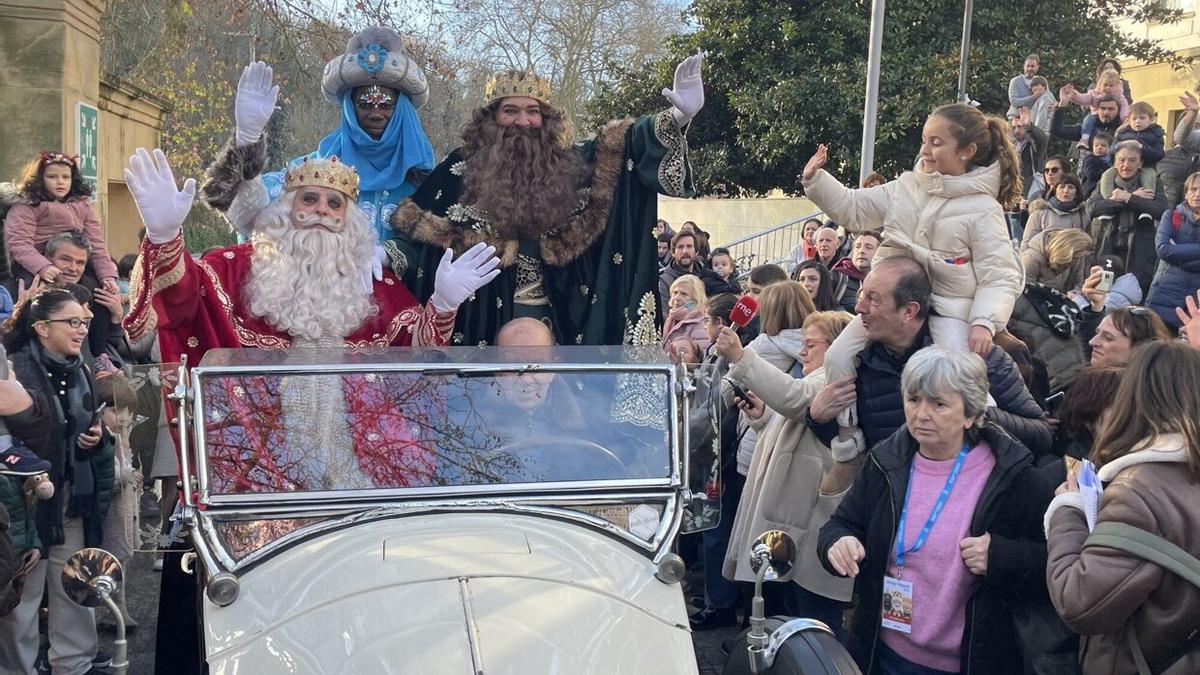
x=809, y=345
x=1053, y=169
x=74, y=322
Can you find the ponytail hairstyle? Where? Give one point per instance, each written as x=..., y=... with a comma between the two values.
x=18, y=329
x=992, y=144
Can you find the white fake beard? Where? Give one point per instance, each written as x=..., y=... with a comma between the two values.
x=308, y=282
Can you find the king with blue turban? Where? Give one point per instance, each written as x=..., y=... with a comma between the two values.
x=378, y=88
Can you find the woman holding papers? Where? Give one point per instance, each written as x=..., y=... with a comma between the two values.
x=1148, y=457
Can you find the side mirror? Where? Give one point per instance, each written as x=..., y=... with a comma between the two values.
x=775, y=551
x=91, y=576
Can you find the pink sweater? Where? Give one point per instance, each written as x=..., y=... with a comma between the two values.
x=941, y=581
x=27, y=228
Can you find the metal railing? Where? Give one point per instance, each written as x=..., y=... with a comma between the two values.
x=772, y=245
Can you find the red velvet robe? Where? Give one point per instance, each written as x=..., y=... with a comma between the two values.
x=201, y=305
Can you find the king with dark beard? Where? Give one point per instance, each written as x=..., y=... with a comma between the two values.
x=572, y=223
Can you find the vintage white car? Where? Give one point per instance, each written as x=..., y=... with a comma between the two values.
x=455, y=510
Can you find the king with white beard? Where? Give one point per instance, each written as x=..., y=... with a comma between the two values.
x=299, y=281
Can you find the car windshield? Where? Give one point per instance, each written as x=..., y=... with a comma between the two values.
x=322, y=430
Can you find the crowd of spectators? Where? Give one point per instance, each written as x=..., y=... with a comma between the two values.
x=931, y=483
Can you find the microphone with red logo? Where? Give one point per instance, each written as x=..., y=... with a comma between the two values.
x=743, y=312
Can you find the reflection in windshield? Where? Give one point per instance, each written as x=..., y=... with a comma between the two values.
x=309, y=432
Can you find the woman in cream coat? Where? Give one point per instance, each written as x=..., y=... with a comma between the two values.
x=794, y=483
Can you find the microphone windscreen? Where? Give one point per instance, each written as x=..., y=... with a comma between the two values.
x=743, y=312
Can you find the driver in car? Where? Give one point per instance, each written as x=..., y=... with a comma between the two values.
x=534, y=423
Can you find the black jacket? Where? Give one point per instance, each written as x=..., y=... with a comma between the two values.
x=8, y=555
x=1073, y=132
x=881, y=406
x=1091, y=168
x=32, y=374
x=1009, y=509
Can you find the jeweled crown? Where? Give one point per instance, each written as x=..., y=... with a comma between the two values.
x=327, y=173
x=517, y=83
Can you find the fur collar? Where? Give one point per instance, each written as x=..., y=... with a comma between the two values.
x=559, y=246
x=1164, y=448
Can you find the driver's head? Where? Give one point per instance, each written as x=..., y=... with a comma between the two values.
x=527, y=391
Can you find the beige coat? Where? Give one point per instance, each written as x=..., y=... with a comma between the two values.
x=783, y=487
x=1045, y=218
x=1038, y=270
x=1099, y=591
x=953, y=225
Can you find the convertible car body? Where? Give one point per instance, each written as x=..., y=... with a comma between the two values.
x=457, y=510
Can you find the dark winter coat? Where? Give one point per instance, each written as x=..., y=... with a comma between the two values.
x=1032, y=154
x=32, y=427
x=1127, y=229
x=1178, y=245
x=1073, y=132
x=61, y=451
x=713, y=283
x=881, y=405
x=1010, y=509
x=1048, y=322
x=1091, y=169
x=1152, y=139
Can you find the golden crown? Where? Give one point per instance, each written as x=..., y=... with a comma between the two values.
x=517, y=83
x=327, y=173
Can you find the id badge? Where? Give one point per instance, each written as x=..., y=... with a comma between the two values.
x=897, y=604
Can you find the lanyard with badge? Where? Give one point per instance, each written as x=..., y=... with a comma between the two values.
x=897, y=593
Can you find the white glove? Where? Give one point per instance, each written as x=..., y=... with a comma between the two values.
x=373, y=271
x=254, y=103
x=456, y=280
x=687, y=96
x=163, y=207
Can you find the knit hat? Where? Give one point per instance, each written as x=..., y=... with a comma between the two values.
x=375, y=55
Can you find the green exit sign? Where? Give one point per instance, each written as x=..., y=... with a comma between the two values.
x=87, y=143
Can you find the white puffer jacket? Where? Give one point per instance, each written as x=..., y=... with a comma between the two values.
x=951, y=224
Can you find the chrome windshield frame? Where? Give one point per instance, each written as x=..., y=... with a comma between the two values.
x=203, y=509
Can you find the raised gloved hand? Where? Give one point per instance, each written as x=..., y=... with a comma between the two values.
x=373, y=271
x=163, y=207
x=254, y=103
x=457, y=279
x=687, y=94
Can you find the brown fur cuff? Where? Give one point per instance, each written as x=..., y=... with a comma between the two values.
x=233, y=166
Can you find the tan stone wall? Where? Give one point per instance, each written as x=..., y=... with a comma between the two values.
x=729, y=219
x=1157, y=83
x=49, y=63
x=128, y=121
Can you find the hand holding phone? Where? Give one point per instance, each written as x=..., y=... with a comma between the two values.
x=1054, y=402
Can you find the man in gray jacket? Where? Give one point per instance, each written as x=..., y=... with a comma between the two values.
x=1020, y=88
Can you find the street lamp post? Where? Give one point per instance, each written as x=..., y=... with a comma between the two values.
x=871, y=105
x=964, y=54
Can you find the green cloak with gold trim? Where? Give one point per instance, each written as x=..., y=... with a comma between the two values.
x=598, y=271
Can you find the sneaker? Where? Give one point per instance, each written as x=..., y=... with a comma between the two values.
x=103, y=660
x=20, y=461
x=710, y=618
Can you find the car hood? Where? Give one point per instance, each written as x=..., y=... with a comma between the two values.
x=453, y=593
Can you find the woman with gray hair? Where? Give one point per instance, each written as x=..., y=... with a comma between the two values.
x=941, y=531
